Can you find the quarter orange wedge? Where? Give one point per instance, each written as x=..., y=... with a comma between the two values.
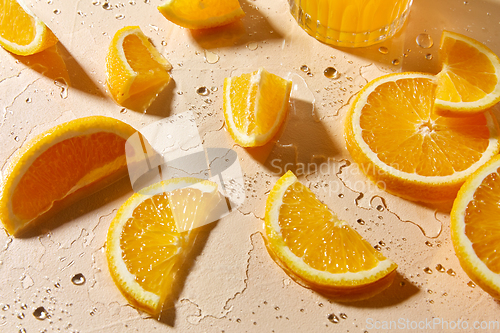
x=21, y=32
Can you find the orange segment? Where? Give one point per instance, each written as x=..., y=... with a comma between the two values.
x=475, y=226
x=136, y=71
x=145, y=247
x=60, y=166
x=201, y=14
x=317, y=249
x=21, y=32
x=469, y=80
x=392, y=133
x=255, y=105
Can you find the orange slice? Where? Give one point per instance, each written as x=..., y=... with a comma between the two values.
x=21, y=32
x=475, y=227
x=201, y=14
x=145, y=245
x=60, y=166
x=136, y=72
x=317, y=249
x=255, y=106
x=406, y=149
x=469, y=81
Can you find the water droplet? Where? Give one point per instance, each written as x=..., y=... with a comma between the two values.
x=381, y=243
x=377, y=247
x=123, y=110
x=428, y=270
x=451, y=272
x=428, y=243
x=20, y=315
x=120, y=17
x=431, y=301
x=429, y=291
x=333, y=318
x=5, y=307
x=78, y=279
x=252, y=46
x=28, y=100
x=238, y=320
x=424, y=41
x=304, y=68
x=132, y=2
x=276, y=308
x=202, y=91
x=57, y=11
x=331, y=73
x=341, y=195
x=395, y=62
x=445, y=294
x=471, y=284
x=40, y=313
x=16, y=138
x=402, y=283
x=24, y=306
x=164, y=43
x=22, y=330
x=96, y=3
x=361, y=221
x=107, y=6
x=428, y=56
x=343, y=316
x=383, y=50
x=211, y=57
x=61, y=83
x=380, y=208
x=57, y=285
x=440, y=268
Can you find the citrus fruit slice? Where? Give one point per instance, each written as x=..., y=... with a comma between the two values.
x=475, y=226
x=255, y=105
x=408, y=150
x=317, y=249
x=60, y=166
x=201, y=14
x=145, y=246
x=136, y=72
x=469, y=81
x=21, y=32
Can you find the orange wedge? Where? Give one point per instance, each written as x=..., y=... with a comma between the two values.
x=201, y=14
x=60, y=166
x=21, y=32
x=148, y=240
x=469, y=81
x=255, y=106
x=317, y=249
x=405, y=148
x=136, y=72
x=475, y=227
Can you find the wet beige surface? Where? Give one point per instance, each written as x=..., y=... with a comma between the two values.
x=231, y=284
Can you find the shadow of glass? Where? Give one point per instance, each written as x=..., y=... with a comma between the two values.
x=83, y=206
x=302, y=142
x=168, y=313
x=237, y=33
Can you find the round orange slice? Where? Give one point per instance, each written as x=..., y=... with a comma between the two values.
x=475, y=226
x=21, y=32
x=404, y=147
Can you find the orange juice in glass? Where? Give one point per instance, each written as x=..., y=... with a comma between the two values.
x=350, y=23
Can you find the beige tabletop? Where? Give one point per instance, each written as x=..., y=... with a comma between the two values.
x=231, y=284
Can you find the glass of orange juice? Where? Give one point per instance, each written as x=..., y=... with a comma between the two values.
x=350, y=23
